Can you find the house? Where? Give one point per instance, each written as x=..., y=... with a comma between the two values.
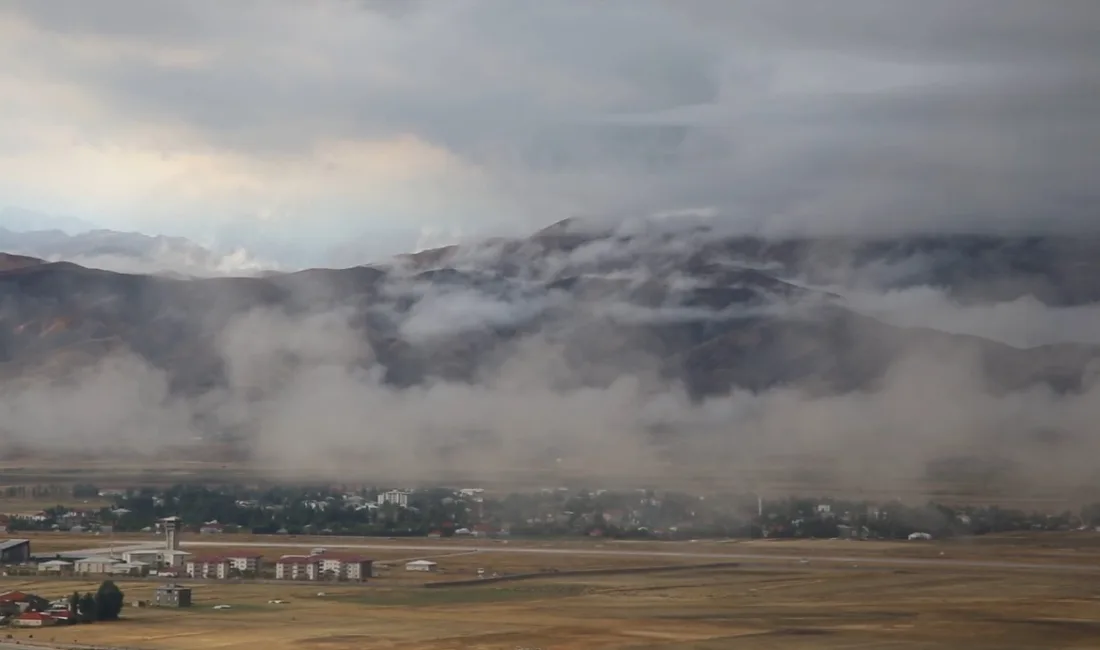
x=298, y=567
x=421, y=565
x=208, y=567
x=15, y=551
x=396, y=497
x=33, y=619
x=172, y=595
x=95, y=565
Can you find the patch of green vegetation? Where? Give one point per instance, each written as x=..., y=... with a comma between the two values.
x=461, y=595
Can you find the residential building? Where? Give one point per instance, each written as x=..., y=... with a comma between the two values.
x=172, y=595
x=345, y=567
x=208, y=567
x=358, y=569
x=421, y=565
x=15, y=551
x=396, y=497
x=323, y=566
x=298, y=567
x=246, y=563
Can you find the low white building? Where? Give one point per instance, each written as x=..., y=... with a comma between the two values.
x=95, y=565
x=145, y=556
x=396, y=497
x=55, y=566
x=421, y=565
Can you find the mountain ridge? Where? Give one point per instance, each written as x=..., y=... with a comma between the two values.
x=674, y=304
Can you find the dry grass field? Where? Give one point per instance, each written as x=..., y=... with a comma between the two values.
x=703, y=610
x=758, y=605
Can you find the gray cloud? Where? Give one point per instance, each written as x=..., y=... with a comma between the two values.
x=850, y=116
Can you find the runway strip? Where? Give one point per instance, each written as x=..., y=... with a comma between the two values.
x=756, y=557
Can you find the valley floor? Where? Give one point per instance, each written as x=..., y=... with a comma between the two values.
x=783, y=603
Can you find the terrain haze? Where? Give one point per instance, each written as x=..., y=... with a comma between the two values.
x=632, y=238
x=653, y=347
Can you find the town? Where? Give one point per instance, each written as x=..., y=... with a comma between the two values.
x=548, y=512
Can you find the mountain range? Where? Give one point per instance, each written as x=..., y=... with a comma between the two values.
x=693, y=306
x=128, y=252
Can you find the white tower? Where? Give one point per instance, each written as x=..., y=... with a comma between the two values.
x=172, y=527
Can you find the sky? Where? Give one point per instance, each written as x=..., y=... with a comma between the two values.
x=295, y=128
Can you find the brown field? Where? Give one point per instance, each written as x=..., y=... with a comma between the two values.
x=758, y=605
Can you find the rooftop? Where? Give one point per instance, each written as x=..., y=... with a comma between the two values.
x=12, y=543
x=100, y=558
x=225, y=558
x=171, y=586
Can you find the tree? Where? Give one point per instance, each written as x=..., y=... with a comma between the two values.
x=87, y=607
x=109, y=600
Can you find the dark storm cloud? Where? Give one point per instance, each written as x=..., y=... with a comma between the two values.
x=847, y=116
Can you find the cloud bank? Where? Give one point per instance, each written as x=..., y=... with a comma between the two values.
x=249, y=121
x=305, y=394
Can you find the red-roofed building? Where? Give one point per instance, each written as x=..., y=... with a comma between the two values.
x=298, y=567
x=247, y=562
x=222, y=566
x=207, y=567
x=12, y=597
x=33, y=619
x=324, y=566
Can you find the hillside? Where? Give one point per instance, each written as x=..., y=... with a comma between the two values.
x=714, y=314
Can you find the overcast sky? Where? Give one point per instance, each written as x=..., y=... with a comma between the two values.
x=297, y=124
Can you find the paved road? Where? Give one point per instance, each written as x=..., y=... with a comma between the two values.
x=733, y=557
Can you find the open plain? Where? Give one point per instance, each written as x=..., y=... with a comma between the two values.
x=1040, y=595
